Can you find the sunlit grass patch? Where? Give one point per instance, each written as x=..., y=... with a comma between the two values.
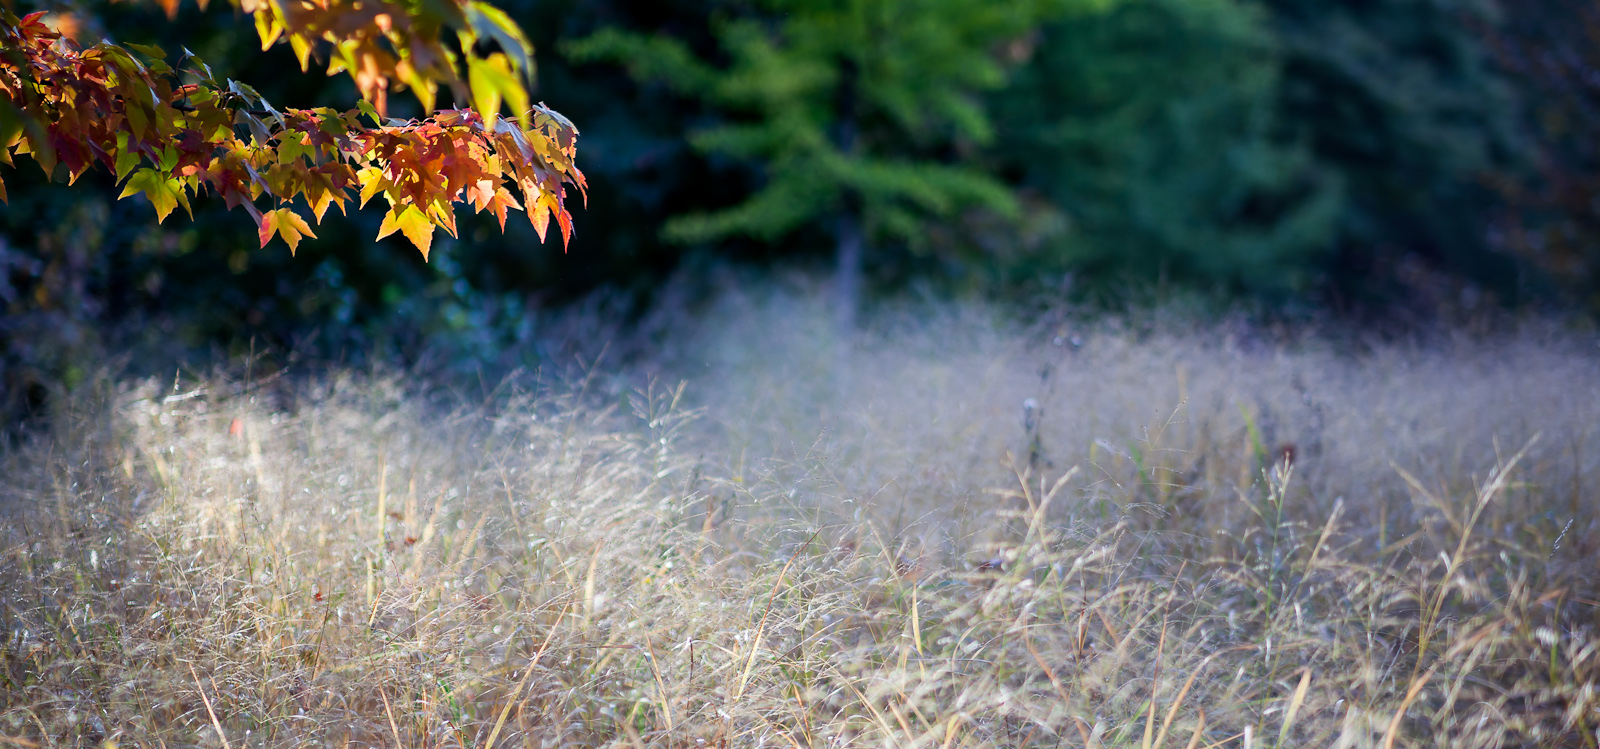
x=824, y=543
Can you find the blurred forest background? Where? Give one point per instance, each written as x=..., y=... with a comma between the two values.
x=1372, y=160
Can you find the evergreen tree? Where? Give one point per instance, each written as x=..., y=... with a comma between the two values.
x=1154, y=131
x=1401, y=100
x=864, y=114
x=1552, y=48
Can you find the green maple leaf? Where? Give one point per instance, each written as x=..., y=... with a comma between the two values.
x=164, y=192
x=127, y=157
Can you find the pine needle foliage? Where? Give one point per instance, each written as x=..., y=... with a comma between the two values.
x=864, y=108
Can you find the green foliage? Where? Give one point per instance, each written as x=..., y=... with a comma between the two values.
x=1153, y=131
x=865, y=106
x=1278, y=149
x=1401, y=101
x=1552, y=48
x=1301, y=151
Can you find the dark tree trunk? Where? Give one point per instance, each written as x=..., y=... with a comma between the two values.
x=847, y=269
x=849, y=238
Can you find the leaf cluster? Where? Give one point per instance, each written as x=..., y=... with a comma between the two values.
x=381, y=44
x=127, y=109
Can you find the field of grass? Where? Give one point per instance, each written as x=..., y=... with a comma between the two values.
x=947, y=531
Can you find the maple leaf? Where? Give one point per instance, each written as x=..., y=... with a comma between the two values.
x=564, y=218
x=462, y=164
x=372, y=182
x=413, y=223
x=320, y=203
x=319, y=191
x=501, y=201
x=479, y=192
x=440, y=213
x=268, y=27
x=127, y=157
x=164, y=193
x=302, y=51
x=539, y=205
x=493, y=81
x=285, y=223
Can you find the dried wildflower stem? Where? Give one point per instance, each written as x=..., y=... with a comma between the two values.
x=1295, y=702
x=1392, y=733
x=393, y=726
x=207, y=700
x=1172, y=712
x=661, y=687
x=527, y=673
x=755, y=644
x=1199, y=731
x=1496, y=484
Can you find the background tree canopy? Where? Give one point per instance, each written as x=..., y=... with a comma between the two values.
x=1360, y=156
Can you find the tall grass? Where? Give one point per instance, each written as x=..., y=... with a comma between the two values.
x=947, y=531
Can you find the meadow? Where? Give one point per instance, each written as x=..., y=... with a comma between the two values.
x=948, y=529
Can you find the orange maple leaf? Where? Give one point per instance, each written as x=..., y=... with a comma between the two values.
x=501, y=201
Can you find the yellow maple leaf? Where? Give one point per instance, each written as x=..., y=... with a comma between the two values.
x=372, y=182
x=287, y=224
x=411, y=222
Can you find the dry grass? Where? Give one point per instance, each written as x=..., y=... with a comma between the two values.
x=820, y=542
